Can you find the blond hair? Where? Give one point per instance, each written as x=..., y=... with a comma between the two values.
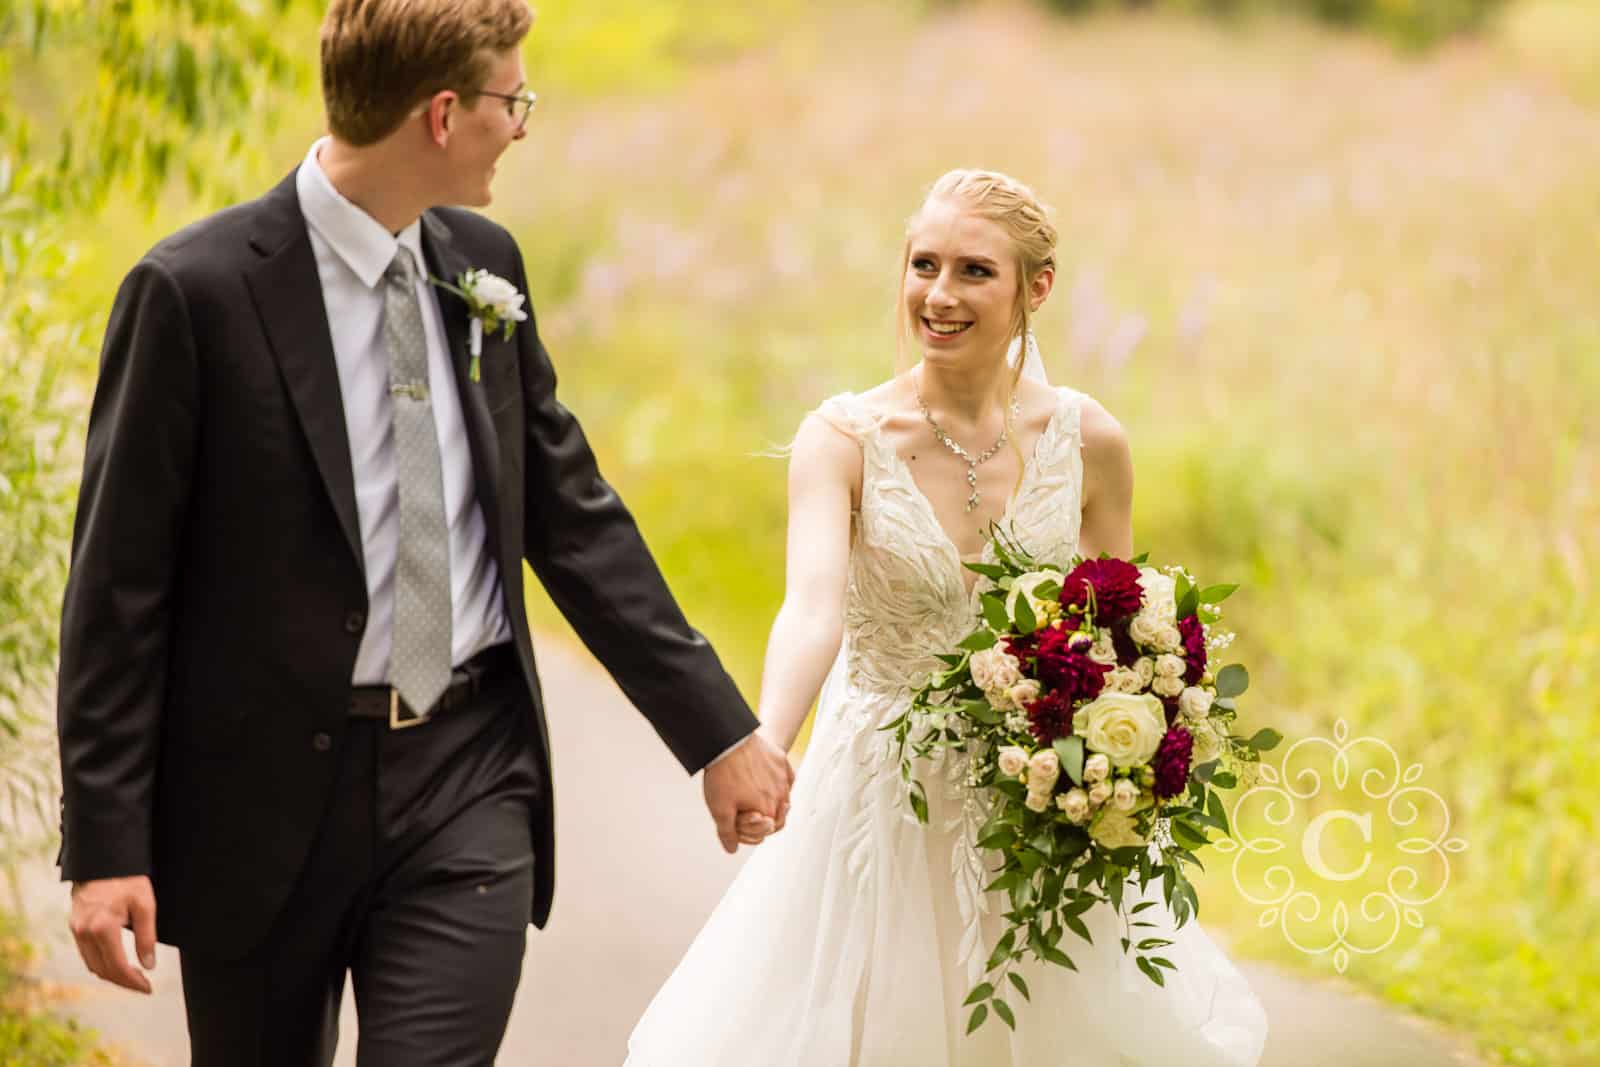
x=1018, y=211
x=380, y=58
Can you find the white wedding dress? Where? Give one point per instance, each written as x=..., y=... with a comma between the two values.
x=851, y=938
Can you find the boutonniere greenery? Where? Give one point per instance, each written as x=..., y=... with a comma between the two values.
x=493, y=303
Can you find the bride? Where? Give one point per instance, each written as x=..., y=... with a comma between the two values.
x=852, y=939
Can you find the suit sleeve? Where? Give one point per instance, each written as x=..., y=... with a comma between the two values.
x=587, y=551
x=126, y=545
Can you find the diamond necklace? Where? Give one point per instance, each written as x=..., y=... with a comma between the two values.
x=948, y=442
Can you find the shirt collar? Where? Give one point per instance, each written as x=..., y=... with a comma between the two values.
x=355, y=236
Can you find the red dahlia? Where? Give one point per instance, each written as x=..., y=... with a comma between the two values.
x=1116, y=588
x=1194, y=647
x=1062, y=664
x=1050, y=717
x=1171, y=762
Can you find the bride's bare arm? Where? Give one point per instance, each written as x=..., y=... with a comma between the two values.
x=1107, y=485
x=824, y=469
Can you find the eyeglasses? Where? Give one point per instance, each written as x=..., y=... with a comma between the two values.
x=517, y=104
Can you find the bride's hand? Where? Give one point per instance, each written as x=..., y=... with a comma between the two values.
x=754, y=827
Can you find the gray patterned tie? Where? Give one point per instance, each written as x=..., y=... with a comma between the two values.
x=419, y=665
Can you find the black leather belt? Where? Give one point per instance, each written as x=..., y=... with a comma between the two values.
x=383, y=702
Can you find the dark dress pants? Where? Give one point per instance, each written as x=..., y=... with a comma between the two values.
x=420, y=885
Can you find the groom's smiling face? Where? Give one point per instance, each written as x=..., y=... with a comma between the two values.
x=481, y=132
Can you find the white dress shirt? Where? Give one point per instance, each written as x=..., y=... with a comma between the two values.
x=353, y=250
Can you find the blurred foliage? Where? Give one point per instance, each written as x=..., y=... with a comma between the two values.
x=103, y=100
x=1409, y=22
x=131, y=95
x=30, y=1036
x=587, y=48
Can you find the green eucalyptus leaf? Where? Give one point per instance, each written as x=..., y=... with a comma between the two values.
x=1265, y=739
x=1232, y=681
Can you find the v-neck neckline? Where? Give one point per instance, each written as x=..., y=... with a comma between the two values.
x=1030, y=470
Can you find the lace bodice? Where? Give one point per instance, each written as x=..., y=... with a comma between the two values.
x=907, y=598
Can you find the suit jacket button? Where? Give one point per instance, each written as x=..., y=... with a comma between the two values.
x=321, y=742
x=354, y=622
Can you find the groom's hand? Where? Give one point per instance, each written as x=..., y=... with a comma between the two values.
x=755, y=777
x=101, y=909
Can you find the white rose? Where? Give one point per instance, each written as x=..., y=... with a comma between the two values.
x=1096, y=768
x=1169, y=639
x=1116, y=829
x=1024, y=585
x=1145, y=628
x=1160, y=592
x=1012, y=760
x=1126, y=727
x=1169, y=666
x=498, y=294
x=1039, y=802
x=1167, y=686
x=1074, y=803
x=1124, y=795
x=1194, y=702
x=1123, y=680
x=1043, y=770
x=995, y=669
x=1100, y=792
x=1104, y=650
x=999, y=699
x=1145, y=667
x=1024, y=692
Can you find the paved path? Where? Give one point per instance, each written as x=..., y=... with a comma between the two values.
x=639, y=872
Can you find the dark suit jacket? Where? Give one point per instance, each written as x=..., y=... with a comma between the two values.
x=216, y=597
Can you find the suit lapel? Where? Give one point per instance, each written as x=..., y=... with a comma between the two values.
x=447, y=262
x=288, y=295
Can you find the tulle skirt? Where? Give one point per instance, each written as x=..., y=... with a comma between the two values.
x=852, y=938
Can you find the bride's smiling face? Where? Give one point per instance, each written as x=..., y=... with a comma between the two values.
x=960, y=287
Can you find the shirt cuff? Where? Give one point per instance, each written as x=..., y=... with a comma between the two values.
x=730, y=750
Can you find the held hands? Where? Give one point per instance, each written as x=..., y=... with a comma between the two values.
x=747, y=792
x=100, y=911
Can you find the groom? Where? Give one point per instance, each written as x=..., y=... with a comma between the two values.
x=301, y=730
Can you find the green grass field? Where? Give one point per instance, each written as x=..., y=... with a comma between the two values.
x=1342, y=300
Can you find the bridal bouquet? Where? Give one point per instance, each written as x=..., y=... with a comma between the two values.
x=1096, y=730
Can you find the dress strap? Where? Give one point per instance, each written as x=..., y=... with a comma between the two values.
x=1062, y=433
x=1072, y=413
x=845, y=413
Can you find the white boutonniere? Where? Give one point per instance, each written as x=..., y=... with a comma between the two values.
x=493, y=303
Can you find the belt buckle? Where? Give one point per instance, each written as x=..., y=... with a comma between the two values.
x=395, y=721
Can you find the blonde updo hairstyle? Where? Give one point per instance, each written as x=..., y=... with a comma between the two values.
x=1007, y=202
